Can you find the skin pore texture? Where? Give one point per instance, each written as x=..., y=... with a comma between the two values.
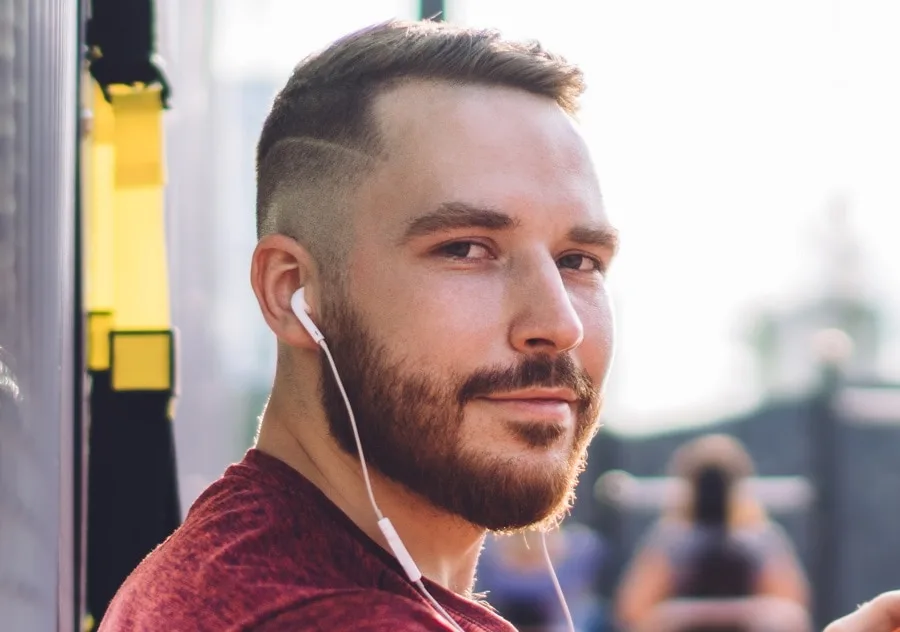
x=469, y=319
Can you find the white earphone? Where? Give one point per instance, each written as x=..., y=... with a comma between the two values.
x=301, y=310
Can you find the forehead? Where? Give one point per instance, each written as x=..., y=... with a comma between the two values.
x=483, y=145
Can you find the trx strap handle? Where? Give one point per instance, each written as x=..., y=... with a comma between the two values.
x=129, y=328
x=133, y=502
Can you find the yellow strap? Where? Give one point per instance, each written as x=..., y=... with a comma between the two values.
x=99, y=187
x=129, y=324
x=141, y=274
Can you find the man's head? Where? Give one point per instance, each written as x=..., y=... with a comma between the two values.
x=429, y=188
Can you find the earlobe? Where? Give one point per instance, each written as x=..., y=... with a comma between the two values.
x=279, y=267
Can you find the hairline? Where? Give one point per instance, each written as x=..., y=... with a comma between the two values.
x=373, y=146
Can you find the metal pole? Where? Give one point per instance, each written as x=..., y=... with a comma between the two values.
x=38, y=71
x=827, y=475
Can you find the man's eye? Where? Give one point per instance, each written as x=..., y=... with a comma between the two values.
x=582, y=263
x=465, y=250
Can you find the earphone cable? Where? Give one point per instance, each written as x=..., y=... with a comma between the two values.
x=362, y=457
x=402, y=555
x=559, y=592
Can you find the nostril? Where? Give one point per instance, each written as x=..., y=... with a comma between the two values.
x=535, y=343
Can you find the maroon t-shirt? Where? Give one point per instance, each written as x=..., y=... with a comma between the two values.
x=263, y=549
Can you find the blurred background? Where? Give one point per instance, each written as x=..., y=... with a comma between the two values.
x=749, y=154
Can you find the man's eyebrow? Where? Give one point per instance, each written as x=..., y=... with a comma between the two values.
x=603, y=236
x=455, y=215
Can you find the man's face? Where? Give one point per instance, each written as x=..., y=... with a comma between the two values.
x=473, y=332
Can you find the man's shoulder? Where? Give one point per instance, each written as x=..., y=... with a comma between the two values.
x=288, y=610
x=233, y=566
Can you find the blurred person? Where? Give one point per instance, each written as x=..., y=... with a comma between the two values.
x=428, y=188
x=715, y=545
x=512, y=573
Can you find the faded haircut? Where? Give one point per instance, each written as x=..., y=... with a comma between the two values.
x=320, y=138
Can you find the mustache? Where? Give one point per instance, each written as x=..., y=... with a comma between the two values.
x=540, y=371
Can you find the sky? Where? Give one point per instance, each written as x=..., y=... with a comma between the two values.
x=722, y=132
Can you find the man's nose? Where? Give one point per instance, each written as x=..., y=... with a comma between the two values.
x=545, y=320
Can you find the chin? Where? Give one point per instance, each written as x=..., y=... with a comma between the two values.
x=538, y=490
x=540, y=463
x=541, y=519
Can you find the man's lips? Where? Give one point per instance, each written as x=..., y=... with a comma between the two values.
x=544, y=405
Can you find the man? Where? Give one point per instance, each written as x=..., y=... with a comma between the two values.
x=429, y=189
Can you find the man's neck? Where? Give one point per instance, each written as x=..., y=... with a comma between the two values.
x=444, y=547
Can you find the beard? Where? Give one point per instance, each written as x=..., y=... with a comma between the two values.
x=410, y=425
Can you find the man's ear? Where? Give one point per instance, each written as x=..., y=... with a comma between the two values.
x=278, y=268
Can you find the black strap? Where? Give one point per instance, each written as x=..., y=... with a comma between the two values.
x=121, y=40
x=133, y=502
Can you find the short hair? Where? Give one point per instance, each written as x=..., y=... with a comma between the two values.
x=320, y=137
